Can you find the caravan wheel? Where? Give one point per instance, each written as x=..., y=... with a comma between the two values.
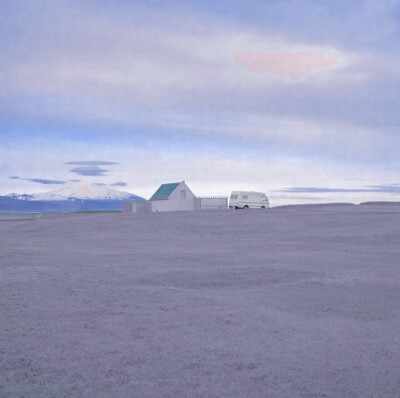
x=246, y=207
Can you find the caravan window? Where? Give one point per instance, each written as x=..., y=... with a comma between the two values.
x=234, y=196
x=245, y=197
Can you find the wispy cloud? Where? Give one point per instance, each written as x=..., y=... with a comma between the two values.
x=285, y=64
x=390, y=188
x=321, y=190
x=39, y=180
x=119, y=184
x=46, y=182
x=93, y=171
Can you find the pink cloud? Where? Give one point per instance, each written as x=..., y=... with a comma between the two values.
x=285, y=64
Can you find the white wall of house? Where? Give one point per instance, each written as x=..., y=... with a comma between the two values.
x=182, y=198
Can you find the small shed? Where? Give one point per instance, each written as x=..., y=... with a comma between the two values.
x=173, y=196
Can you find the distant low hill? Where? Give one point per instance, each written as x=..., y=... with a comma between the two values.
x=80, y=198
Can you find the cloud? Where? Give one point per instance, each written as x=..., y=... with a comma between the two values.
x=99, y=184
x=285, y=64
x=183, y=74
x=89, y=171
x=187, y=85
x=44, y=181
x=39, y=180
x=390, y=188
x=119, y=184
x=91, y=163
x=72, y=78
x=142, y=70
x=90, y=168
x=320, y=190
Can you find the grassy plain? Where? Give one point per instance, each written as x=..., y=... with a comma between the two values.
x=300, y=301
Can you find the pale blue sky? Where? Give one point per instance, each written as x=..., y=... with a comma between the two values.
x=299, y=99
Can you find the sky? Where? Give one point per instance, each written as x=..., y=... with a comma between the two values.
x=295, y=98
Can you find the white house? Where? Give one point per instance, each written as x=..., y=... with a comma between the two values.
x=173, y=197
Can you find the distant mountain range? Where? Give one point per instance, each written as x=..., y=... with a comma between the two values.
x=80, y=198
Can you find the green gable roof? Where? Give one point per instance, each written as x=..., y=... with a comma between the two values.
x=164, y=191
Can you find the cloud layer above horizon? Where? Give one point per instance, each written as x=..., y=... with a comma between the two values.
x=306, y=94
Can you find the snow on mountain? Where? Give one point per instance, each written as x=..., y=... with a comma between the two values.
x=84, y=191
x=17, y=196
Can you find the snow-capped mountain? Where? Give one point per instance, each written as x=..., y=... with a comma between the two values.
x=17, y=196
x=84, y=191
x=80, y=198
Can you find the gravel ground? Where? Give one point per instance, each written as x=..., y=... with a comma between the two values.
x=300, y=301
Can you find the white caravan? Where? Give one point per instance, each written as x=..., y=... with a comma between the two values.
x=248, y=200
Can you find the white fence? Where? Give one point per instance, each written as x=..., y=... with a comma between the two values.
x=211, y=203
x=201, y=203
x=137, y=207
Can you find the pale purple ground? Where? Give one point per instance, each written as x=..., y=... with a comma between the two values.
x=287, y=302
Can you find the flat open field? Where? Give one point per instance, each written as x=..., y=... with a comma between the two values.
x=297, y=301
